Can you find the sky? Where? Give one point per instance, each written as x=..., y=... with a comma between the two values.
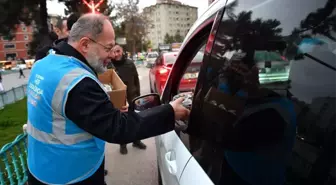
x=57, y=8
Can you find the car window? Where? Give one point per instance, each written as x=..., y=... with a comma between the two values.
x=170, y=58
x=189, y=81
x=293, y=45
x=190, y=76
x=198, y=57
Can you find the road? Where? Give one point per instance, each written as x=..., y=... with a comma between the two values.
x=138, y=167
x=12, y=80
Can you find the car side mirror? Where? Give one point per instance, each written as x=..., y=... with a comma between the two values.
x=145, y=102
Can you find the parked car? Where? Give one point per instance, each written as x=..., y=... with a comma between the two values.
x=7, y=65
x=158, y=74
x=305, y=73
x=150, y=59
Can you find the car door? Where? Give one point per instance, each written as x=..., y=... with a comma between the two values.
x=185, y=69
x=172, y=157
x=305, y=57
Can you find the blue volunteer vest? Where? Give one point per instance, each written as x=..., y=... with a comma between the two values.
x=266, y=165
x=59, y=152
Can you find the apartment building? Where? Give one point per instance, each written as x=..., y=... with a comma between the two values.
x=18, y=46
x=169, y=16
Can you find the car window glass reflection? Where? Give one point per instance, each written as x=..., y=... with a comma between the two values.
x=292, y=46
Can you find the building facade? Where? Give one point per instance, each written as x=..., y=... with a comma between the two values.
x=169, y=16
x=18, y=46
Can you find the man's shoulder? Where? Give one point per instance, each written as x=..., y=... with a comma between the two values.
x=129, y=62
x=41, y=53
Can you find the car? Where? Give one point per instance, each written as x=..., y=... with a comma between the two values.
x=150, y=59
x=158, y=74
x=29, y=63
x=299, y=35
x=20, y=66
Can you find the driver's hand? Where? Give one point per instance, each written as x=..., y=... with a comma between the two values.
x=124, y=108
x=181, y=113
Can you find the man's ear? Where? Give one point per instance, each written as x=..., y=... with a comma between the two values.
x=57, y=31
x=84, y=44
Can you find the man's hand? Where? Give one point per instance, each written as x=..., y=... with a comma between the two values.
x=124, y=108
x=181, y=113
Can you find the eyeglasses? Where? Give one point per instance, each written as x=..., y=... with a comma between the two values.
x=106, y=48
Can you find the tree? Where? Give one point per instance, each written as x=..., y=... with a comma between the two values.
x=119, y=29
x=14, y=12
x=80, y=7
x=322, y=21
x=146, y=44
x=134, y=24
x=168, y=39
x=178, y=37
x=32, y=12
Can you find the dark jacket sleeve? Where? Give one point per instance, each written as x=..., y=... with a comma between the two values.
x=136, y=80
x=89, y=107
x=259, y=129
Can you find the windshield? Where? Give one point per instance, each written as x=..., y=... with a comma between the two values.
x=171, y=58
x=198, y=58
x=152, y=55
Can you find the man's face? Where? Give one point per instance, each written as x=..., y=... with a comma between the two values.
x=118, y=53
x=61, y=32
x=65, y=30
x=99, y=50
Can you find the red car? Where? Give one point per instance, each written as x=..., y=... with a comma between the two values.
x=159, y=73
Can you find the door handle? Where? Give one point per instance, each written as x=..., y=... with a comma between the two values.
x=170, y=160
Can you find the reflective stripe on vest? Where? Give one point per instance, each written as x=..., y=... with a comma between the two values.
x=58, y=135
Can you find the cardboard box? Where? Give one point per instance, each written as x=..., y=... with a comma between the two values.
x=118, y=93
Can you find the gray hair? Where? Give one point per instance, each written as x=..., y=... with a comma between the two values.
x=90, y=25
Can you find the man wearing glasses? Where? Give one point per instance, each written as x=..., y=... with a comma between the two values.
x=70, y=115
